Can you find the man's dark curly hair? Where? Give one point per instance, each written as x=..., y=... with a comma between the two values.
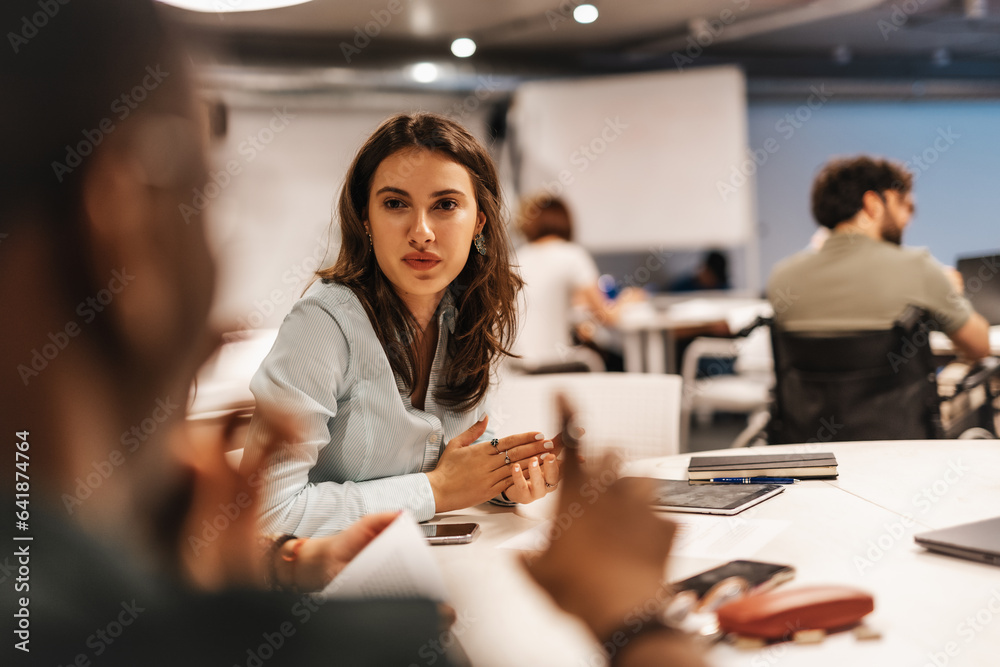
x=839, y=188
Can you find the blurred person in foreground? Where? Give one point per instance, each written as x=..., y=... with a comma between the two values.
x=862, y=278
x=142, y=546
x=107, y=290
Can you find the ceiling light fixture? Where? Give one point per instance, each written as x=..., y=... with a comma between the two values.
x=585, y=14
x=424, y=72
x=218, y=6
x=463, y=47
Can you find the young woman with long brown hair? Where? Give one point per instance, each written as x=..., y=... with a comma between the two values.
x=387, y=359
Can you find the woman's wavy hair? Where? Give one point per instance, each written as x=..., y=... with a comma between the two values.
x=485, y=291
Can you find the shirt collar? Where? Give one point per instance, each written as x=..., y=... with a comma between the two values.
x=850, y=238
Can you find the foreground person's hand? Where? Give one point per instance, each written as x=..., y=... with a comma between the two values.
x=606, y=566
x=218, y=537
x=314, y=563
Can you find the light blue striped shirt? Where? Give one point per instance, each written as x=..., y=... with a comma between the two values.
x=364, y=447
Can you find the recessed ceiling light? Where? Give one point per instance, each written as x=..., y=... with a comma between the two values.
x=463, y=47
x=585, y=14
x=424, y=72
x=217, y=6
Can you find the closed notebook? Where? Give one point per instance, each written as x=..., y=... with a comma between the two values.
x=817, y=465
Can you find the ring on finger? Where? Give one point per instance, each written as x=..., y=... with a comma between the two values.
x=494, y=442
x=506, y=457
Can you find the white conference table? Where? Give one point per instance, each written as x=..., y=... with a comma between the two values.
x=856, y=530
x=648, y=330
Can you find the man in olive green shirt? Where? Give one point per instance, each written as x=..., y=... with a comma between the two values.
x=862, y=279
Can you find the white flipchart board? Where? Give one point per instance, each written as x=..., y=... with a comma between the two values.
x=643, y=160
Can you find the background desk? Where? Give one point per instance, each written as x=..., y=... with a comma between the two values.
x=648, y=329
x=857, y=530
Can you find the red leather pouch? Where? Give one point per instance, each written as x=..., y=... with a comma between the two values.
x=782, y=613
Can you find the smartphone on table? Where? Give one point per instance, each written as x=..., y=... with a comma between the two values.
x=450, y=533
x=760, y=576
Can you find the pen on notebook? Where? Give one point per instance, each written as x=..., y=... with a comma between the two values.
x=753, y=480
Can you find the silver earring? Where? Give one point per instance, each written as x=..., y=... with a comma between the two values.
x=480, y=242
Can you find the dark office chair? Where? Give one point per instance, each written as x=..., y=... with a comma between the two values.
x=873, y=385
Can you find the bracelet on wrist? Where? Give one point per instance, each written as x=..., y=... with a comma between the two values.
x=292, y=557
x=270, y=568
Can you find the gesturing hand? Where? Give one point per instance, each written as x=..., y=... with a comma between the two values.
x=542, y=476
x=610, y=558
x=228, y=559
x=465, y=474
x=532, y=477
x=322, y=558
x=468, y=474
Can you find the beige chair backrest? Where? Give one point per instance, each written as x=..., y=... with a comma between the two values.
x=635, y=413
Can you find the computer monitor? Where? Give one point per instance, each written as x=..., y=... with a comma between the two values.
x=982, y=284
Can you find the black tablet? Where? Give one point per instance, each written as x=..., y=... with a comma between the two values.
x=676, y=495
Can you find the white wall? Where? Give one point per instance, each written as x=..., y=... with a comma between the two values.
x=957, y=187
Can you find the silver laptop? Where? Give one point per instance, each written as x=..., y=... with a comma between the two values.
x=979, y=541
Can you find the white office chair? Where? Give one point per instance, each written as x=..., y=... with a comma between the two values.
x=748, y=391
x=634, y=413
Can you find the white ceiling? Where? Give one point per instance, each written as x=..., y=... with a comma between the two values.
x=769, y=38
x=524, y=23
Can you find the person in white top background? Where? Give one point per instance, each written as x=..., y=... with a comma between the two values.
x=387, y=360
x=559, y=275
